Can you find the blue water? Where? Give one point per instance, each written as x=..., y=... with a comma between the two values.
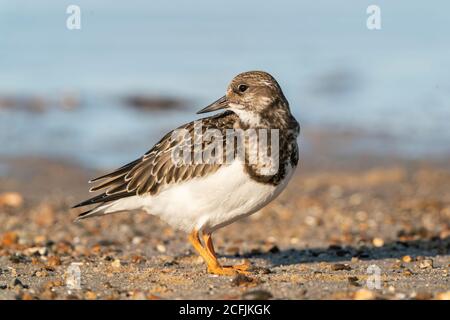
x=335, y=72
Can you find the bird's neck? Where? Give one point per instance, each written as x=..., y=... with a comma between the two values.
x=277, y=116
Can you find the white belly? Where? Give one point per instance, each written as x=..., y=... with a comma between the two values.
x=207, y=203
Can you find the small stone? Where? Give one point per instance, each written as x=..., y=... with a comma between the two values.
x=51, y=284
x=41, y=273
x=426, y=264
x=36, y=251
x=48, y=294
x=19, y=258
x=40, y=239
x=353, y=281
x=53, y=261
x=364, y=294
x=241, y=279
x=312, y=221
x=406, y=259
x=355, y=259
x=400, y=296
x=261, y=270
x=274, y=249
x=26, y=296
x=137, y=259
x=408, y=272
x=422, y=295
x=378, y=242
x=138, y=295
x=116, y=264
x=90, y=295
x=257, y=295
x=9, y=238
x=17, y=283
x=340, y=267
x=161, y=248
x=11, y=199
x=443, y=295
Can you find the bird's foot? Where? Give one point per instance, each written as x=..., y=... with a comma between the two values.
x=231, y=270
x=246, y=266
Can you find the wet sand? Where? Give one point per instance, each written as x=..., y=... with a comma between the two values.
x=341, y=214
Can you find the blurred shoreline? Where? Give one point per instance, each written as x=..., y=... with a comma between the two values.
x=106, y=138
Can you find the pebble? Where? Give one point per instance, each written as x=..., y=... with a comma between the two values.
x=11, y=199
x=421, y=295
x=19, y=258
x=137, y=259
x=36, y=251
x=241, y=279
x=40, y=273
x=161, y=248
x=25, y=296
x=443, y=295
x=138, y=295
x=136, y=240
x=407, y=272
x=90, y=295
x=400, y=296
x=52, y=283
x=257, y=295
x=262, y=270
x=378, y=242
x=17, y=283
x=116, y=264
x=364, y=294
x=53, y=261
x=406, y=259
x=426, y=264
x=353, y=281
x=340, y=267
x=9, y=238
x=312, y=221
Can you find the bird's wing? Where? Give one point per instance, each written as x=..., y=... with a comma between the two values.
x=156, y=168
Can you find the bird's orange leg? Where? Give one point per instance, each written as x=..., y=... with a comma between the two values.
x=211, y=261
x=242, y=268
x=209, y=256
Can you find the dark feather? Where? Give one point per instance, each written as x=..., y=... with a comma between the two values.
x=156, y=169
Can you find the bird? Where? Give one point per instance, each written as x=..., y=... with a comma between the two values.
x=200, y=195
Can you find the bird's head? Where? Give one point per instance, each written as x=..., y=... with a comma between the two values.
x=250, y=93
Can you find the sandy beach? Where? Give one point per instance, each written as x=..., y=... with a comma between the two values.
x=344, y=217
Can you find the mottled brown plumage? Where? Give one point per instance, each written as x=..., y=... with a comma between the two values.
x=254, y=101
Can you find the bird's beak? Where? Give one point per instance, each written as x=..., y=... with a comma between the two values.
x=216, y=105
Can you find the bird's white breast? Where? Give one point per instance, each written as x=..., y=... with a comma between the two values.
x=207, y=203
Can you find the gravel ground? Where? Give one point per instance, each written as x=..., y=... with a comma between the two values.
x=328, y=236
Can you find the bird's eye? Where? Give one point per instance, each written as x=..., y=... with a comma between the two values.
x=242, y=87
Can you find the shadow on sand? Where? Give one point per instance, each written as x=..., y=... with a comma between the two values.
x=397, y=249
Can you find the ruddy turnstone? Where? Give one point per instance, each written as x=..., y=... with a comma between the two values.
x=205, y=188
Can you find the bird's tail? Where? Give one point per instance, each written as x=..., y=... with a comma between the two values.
x=101, y=209
x=120, y=205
